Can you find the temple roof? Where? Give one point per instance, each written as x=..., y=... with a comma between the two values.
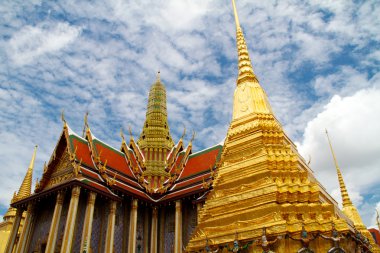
x=113, y=172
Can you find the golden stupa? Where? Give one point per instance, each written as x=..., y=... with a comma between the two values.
x=264, y=191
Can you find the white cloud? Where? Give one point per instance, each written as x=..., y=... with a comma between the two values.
x=353, y=126
x=373, y=215
x=31, y=42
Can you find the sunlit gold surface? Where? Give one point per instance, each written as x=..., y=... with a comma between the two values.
x=262, y=180
x=26, y=185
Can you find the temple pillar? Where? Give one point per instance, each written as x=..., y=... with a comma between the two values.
x=153, y=234
x=87, y=224
x=68, y=235
x=178, y=227
x=110, y=228
x=52, y=238
x=133, y=227
x=162, y=230
x=146, y=230
x=22, y=244
x=13, y=234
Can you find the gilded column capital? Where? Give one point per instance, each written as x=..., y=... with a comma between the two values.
x=155, y=211
x=178, y=204
x=134, y=204
x=75, y=192
x=112, y=206
x=60, y=198
x=30, y=208
x=91, y=198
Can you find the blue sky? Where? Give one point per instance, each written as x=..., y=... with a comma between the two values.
x=317, y=60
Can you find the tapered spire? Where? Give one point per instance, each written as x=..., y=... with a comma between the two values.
x=156, y=133
x=244, y=62
x=250, y=97
x=348, y=207
x=377, y=220
x=26, y=185
x=346, y=201
x=155, y=140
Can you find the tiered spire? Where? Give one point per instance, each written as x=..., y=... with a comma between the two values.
x=156, y=133
x=262, y=181
x=346, y=201
x=249, y=95
x=348, y=208
x=155, y=140
x=26, y=185
x=245, y=66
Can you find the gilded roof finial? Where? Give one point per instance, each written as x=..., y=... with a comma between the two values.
x=86, y=120
x=63, y=118
x=122, y=135
x=130, y=132
x=158, y=79
x=345, y=198
x=85, y=127
x=192, y=137
x=26, y=185
x=377, y=220
x=184, y=132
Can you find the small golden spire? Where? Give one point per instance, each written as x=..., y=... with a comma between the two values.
x=345, y=198
x=377, y=220
x=158, y=79
x=26, y=185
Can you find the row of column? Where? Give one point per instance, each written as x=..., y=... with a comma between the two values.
x=87, y=226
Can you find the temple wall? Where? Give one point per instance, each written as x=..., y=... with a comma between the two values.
x=142, y=222
x=122, y=227
x=189, y=220
x=44, y=213
x=169, y=228
x=104, y=211
x=77, y=237
x=97, y=226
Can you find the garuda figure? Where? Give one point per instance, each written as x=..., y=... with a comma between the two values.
x=335, y=239
x=265, y=244
x=305, y=241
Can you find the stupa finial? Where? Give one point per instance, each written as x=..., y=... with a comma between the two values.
x=346, y=201
x=244, y=62
x=236, y=15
